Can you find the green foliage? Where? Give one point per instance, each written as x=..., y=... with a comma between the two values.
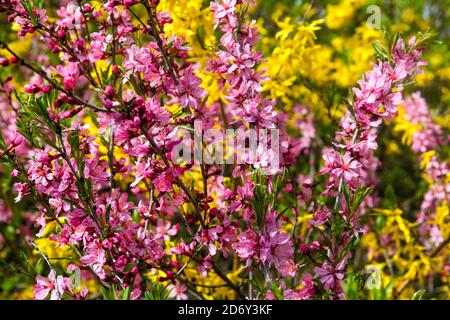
x=156, y=291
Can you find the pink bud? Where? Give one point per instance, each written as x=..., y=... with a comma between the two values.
x=69, y=83
x=31, y=88
x=139, y=101
x=4, y=62
x=134, y=271
x=229, y=194
x=61, y=33
x=116, y=69
x=304, y=248
x=137, y=121
x=45, y=89
x=108, y=104
x=70, y=113
x=18, y=140
x=128, y=3
x=110, y=92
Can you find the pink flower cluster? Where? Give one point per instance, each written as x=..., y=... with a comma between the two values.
x=237, y=64
x=352, y=164
x=428, y=138
x=120, y=201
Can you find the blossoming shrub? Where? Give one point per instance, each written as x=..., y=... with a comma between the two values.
x=223, y=149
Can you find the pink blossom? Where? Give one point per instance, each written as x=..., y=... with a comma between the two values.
x=53, y=285
x=321, y=217
x=330, y=275
x=70, y=74
x=189, y=90
x=277, y=248
x=347, y=168
x=178, y=291
x=95, y=258
x=246, y=246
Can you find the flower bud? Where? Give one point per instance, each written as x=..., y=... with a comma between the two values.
x=115, y=69
x=31, y=88
x=304, y=248
x=69, y=83
x=108, y=104
x=70, y=113
x=45, y=89
x=139, y=101
x=61, y=33
x=4, y=62
x=57, y=103
x=128, y=3
x=110, y=91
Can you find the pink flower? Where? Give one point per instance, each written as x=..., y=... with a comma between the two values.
x=321, y=217
x=136, y=294
x=142, y=170
x=347, y=168
x=250, y=112
x=305, y=293
x=141, y=60
x=41, y=174
x=246, y=246
x=331, y=159
x=189, y=90
x=22, y=189
x=436, y=237
x=277, y=248
x=97, y=47
x=95, y=258
x=70, y=15
x=262, y=158
x=59, y=204
x=154, y=110
x=70, y=74
x=165, y=180
x=52, y=285
x=330, y=275
x=178, y=291
x=224, y=11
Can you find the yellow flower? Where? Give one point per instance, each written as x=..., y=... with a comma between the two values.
x=402, y=124
x=56, y=254
x=340, y=14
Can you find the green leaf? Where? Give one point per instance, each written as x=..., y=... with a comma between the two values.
x=8, y=267
x=2, y=141
x=185, y=127
x=107, y=214
x=418, y=295
x=24, y=259
x=108, y=294
x=358, y=198
x=40, y=264
x=347, y=194
x=380, y=51
x=201, y=36
x=126, y=293
x=157, y=291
